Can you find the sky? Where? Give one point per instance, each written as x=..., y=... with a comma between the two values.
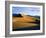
x=27, y=10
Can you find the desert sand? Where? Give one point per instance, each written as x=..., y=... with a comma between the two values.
x=20, y=22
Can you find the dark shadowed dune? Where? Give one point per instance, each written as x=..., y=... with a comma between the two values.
x=17, y=15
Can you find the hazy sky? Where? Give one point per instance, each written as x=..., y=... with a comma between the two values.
x=27, y=10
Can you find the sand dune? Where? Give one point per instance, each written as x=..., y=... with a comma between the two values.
x=20, y=22
x=23, y=19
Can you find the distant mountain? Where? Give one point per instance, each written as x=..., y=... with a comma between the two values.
x=17, y=15
x=37, y=17
x=34, y=16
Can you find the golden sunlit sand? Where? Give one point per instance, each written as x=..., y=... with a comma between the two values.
x=20, y=22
